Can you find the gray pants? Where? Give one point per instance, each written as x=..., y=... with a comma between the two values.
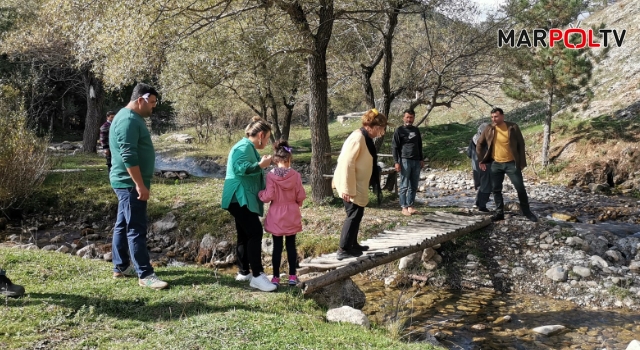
x=409, y=177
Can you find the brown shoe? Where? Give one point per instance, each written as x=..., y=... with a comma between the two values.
x=412, y=211
x=406, y=212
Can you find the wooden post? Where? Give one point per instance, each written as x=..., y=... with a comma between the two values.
x=367, y=262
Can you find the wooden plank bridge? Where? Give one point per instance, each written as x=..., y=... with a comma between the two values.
x=424, y=232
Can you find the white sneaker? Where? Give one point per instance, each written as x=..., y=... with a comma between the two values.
x=262, y=282
x=152, y=281
x=243, y=278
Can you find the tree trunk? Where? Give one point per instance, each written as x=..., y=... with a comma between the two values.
x=286, y=122
x=546, y=138
x=318, y=84
x=425, y=115
x=387, y=96
x=93, y=90
x=320, y=142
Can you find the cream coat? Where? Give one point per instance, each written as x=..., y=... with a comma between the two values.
x=354, y=168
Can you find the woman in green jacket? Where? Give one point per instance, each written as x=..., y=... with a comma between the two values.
x=242, y=183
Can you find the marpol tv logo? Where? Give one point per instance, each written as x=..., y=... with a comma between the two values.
x=542, y=38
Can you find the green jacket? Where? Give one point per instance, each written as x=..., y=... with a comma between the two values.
x=244, y=177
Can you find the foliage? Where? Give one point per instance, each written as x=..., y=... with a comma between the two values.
x=23, y=156
x=554, y=74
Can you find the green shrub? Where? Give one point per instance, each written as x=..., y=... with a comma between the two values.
x=23, y=155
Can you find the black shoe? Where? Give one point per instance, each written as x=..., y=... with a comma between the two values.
x=362, y=248
x=497, y=217
x=531, y=216
x=9, y=289
x=483, y=209
x=346, y=254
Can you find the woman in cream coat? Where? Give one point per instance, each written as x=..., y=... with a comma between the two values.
x=356, y=170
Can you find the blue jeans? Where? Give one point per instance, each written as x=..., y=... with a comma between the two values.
x=409, y=177
x=130, y=233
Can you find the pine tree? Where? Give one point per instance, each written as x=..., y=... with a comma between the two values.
x=555, y=74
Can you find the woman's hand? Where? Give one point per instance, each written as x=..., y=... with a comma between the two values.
x=346, y=197
x=265, y=162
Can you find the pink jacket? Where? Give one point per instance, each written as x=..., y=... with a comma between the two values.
x=285, y=192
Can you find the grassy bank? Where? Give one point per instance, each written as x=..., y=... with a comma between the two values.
x=72, y=303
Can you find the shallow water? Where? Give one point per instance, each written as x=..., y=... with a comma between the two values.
x=472, y=319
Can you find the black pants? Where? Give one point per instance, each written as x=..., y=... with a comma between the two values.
x=292, y=254
x=498, y=170
x=108, y=157
x=482, y=183
x=351, y=225
x=249, y=247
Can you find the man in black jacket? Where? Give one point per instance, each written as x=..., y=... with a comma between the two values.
x=406, y=147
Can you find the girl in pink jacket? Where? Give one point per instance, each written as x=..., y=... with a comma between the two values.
x=285, y=192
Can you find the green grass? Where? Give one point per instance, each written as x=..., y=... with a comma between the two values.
x=73, y=303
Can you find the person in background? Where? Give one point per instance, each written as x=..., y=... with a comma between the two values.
x=501, y=145
x=244, y=179
x=406, y=147
x=481, y=178
x=104, y=138
x=285, y=193
x=355, y=171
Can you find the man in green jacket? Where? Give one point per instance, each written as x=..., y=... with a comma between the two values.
x=133, y=159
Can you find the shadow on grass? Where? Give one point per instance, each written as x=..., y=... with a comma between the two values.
x=136, y=307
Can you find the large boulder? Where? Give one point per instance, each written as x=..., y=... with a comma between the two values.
x=166, y=224
x=344, y=292
x=206, y=250
x=349, y=315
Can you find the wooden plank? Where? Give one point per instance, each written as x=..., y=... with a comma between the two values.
x=367, y=262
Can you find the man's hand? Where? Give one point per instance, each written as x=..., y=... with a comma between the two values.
x=397, y=166
x=265, y=162
x=483, y=167
x=107, y=153
x=346, y=197
x=143, y=193
x=421, y=164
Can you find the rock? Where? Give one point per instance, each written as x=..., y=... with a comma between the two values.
x=87, y=231
x=635, y=266
x=549, y=330
x=267, y=246
x=50, y=247
x=628, y=246
x=205, y=252
x=57, y=239
x=63, y=249
x=599, y=188
x=577, y=242
x=107, y=256
x=437, y=258
x=582, y=271
x=166, y=224
x=479, y=327
x=344, y=292
x=86, y=251
x=598, y=261
x=597, y=245
x=410, y=260
x=430, y=265
x=502, y=319
x=558, y=274
x=614, y=255
x=518, y=271
x=349, y=315
x=634, y=345
x=93, y=237
x=427, y=254
x=564, y=217
x=182, y=138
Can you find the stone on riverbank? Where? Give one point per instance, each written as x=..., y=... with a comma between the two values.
x=349, y=315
